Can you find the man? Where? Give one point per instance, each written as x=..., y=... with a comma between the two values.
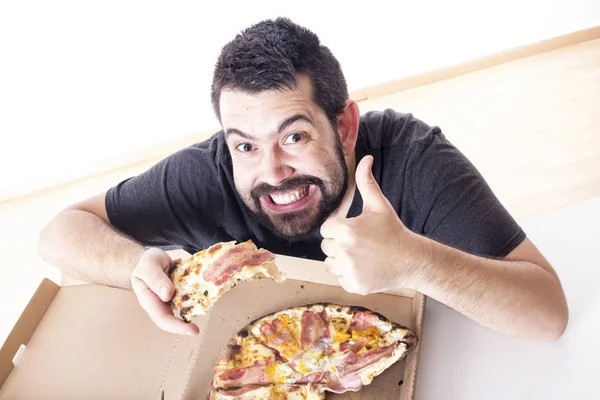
x=384, y=199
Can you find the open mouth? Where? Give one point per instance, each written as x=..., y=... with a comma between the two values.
x=283, y=198
x=289, y=200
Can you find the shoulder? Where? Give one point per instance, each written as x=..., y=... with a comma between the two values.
x=206, y=160
x=380, y=130
x=213, y=149
x=180, y=174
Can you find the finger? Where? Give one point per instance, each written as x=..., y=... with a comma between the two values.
x=160, y=312
x=154, y=276
x=334, y=227
x=346, y=284
x=328, y=228
x=328, y=247
x=373, y=198
x=350, y=286
x=334, y=266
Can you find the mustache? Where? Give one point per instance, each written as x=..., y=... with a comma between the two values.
x=263, y=189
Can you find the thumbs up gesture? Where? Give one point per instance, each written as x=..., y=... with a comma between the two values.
x=371, y=252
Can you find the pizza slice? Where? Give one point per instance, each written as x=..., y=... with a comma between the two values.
x=320, y=347
x=246, y=361
x=278, y=392
x=201, y=279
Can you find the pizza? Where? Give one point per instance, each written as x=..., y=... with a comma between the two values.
x=201, y=279
x=305, y=351
x=281, y=392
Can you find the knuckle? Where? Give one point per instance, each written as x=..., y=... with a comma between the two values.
x=153, y=275
x=349, y=236
x=341, y=253
x=323, y=230
x=346, y=230
x=326, y=246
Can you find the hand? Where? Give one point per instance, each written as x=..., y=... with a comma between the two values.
x=154, y=291
x=369, y=253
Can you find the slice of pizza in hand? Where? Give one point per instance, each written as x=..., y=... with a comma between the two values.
x=202, y=278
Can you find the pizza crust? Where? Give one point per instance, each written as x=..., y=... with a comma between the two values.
x=195, y=295
x=288, y=392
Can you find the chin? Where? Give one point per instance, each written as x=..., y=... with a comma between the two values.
x=293, y=230
x=292, y=226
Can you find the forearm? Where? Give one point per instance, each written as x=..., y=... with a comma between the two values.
x=84, y=246
x=514, y=298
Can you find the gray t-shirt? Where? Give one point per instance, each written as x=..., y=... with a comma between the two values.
x=189, y=200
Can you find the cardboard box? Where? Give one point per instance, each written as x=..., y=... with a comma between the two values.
x=96, y=342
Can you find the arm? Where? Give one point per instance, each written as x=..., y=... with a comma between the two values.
x=101, y=239
x=519, y=295
x=81, y=243
x=114, y=238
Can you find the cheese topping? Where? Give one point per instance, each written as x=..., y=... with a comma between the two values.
x=281, y=373
x=339, y=350
x=340, y=337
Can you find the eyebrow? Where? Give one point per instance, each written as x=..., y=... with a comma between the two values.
x=285, y=124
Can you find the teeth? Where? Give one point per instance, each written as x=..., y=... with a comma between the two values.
x=288, y=198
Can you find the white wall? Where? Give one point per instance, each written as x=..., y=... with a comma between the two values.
x=84, y=81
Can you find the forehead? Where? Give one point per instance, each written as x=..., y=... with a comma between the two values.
x=261, y=112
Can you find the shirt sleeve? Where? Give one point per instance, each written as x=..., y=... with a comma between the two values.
x=456, y=204
x=161, y=206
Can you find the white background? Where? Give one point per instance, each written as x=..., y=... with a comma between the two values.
x=85, y=81
x=461, y=360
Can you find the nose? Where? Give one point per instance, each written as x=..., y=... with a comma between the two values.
x=274, y=167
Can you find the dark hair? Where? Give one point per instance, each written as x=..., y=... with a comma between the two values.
x=270, y=54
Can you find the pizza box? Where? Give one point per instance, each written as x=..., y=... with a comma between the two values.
x=96, y=342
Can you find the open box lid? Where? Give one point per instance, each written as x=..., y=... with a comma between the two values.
x=94, y=341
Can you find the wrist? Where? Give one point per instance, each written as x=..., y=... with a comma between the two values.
x=420, y=261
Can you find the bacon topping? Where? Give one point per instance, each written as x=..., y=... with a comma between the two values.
x=355, y=362
x=276, y=332
x=254, y=375
x=333, y=382
x=353, y=346
x=315, y=327
x=278, y=336
x=230, y=261
x=361, y=321
x=347, y=383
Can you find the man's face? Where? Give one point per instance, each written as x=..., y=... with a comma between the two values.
x=288, y=163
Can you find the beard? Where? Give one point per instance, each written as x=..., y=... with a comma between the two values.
x=297, y=225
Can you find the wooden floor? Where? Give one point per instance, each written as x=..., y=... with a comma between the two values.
x=530, y=126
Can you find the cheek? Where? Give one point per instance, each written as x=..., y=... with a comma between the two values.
x=325, y=162
x=244, y=177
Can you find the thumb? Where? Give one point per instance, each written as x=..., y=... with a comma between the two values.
x=373, y=198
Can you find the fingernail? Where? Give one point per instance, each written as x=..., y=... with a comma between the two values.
x=164, y=292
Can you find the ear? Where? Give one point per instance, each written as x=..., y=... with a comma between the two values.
x=348, y=122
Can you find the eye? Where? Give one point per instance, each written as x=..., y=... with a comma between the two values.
x=244, y=147
x=294, y=138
